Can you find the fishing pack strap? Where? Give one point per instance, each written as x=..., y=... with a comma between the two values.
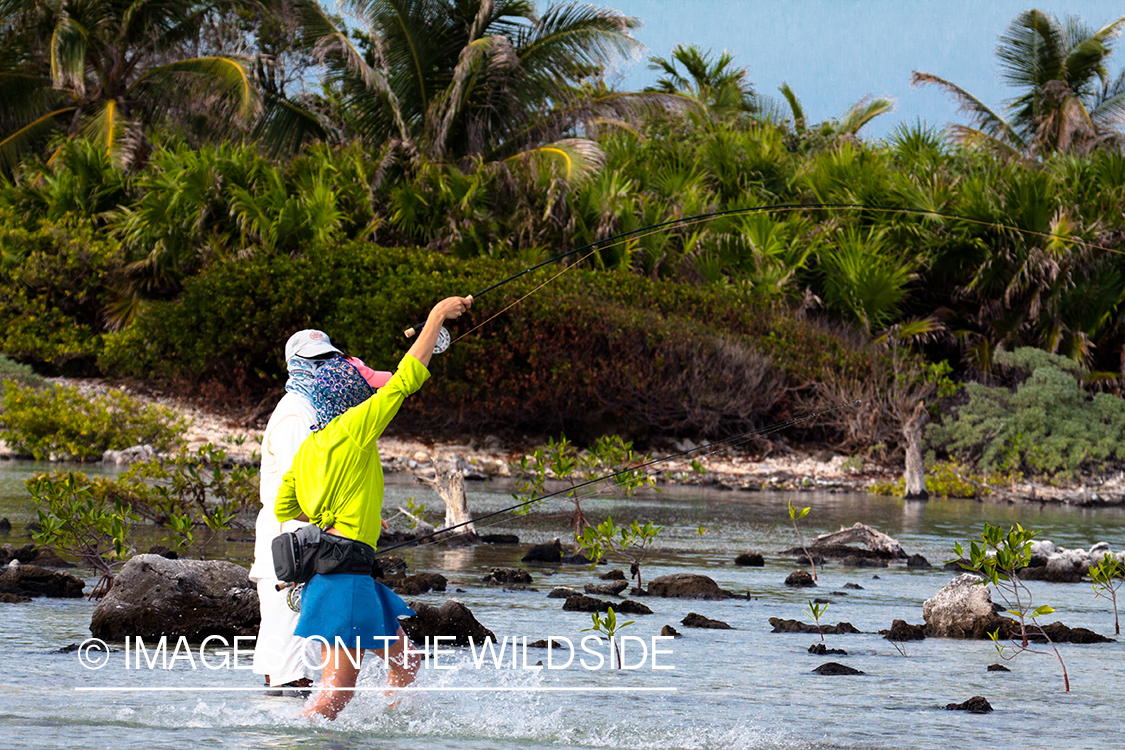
x=308, y=551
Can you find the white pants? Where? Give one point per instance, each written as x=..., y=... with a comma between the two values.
x=277, y=652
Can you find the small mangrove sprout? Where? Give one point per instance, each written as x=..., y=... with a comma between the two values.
x=1108, y=576
x=794, y=515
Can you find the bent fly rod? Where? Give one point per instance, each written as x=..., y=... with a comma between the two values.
x=769, y=429
x=444, y=339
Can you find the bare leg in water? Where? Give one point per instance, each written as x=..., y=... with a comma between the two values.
x=341, y=670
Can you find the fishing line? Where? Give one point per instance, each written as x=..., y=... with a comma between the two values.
x=760, y=431
x=645, y=231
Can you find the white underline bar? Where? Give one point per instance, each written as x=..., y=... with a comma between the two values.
x=385, y=688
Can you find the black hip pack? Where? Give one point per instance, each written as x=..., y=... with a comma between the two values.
x=308, y=551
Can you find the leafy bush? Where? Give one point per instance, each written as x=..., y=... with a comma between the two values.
x=1045, y=424
x=55, y=283
x=60, y=421
x=594, y=353
x=14, y=371
x=951, y=479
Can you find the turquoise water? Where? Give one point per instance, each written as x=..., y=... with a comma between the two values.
x=743, y=688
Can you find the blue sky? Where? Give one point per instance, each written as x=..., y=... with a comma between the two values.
x=832, y=52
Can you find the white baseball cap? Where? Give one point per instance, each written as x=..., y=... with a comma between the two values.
x=308, y=343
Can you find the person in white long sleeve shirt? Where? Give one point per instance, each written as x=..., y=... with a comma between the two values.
x=278, y=654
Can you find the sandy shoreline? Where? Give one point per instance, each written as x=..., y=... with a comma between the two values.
x=726, y=468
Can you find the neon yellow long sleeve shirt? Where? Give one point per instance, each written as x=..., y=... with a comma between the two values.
x=337, y=478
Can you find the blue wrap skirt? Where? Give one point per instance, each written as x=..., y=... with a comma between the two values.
x=348, y=606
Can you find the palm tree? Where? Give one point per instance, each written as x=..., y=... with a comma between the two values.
x=849, y=124
x=1068, y=101
x=723, y=89
x=104, y=69
x=474, y=79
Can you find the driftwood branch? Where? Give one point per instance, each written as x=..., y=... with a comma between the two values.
x=449, y=484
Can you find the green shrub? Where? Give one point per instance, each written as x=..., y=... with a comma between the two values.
x=60, y=421
x=1045, y=424
x=951, y=479
x=11, y=370
x=55, y=284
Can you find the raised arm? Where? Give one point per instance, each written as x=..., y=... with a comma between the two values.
x=450, y=307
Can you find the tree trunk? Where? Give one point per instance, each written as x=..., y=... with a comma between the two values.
x=449, y=484
x=915, y=473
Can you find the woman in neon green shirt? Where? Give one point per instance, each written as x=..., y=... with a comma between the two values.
x=336, y=482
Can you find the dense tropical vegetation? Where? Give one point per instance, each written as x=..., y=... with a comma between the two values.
x=186, y=182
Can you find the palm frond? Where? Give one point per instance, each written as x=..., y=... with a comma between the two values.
x=580, y=34
x=285, y=126
x=16, y=144
x=794, y=106
x=575, y=159
x=863, y=112
x=68, y=55
x=984, y=118
x=225, y=76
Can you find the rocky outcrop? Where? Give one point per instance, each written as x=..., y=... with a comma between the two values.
x=452, y=619
x=613, y=575
x=590, y=604
x=32, y=580
x=796, y=626
x=694, y=620
x=752, y=560
x=998, y=668
x=963, y=608
x=800, y=578
x=858, y=561
x=819, y=649
x=670, y=632
x=504, y=576
x=416, y=584
x=917, y=561
x=607, y=589
x=978, y=704
x=687, y=586
x=1055, y=564
x=1060, y=633
x=833, y=668
x=551, y=552
x=29, y=554
x=153, y=596
x=563, y=592
x=901, y=630
x=836, y=544
x=135, y=454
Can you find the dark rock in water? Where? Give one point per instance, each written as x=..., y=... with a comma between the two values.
x=630, y=607
x=978, y=704
x=507, y=575
x=670, y=632
x=563, y=592
x=153, y=596
x=1051, y=574
x=687, y=586
x=5, y=526
x=856, y=561
x=74, y=647
x=796, y=626
x=694, y=620
x=24, y=554
x=389, y=537
x=33, y=528
x=419, y=583
x=799, y=578
x=388, y=566
x=903, y=631
x=500, y=539
x=917, y=561
x=542, y=643
x=579, y=559
x=853, y=586
x=835, y=668
x=551, y=552
x=1060, y=633
x=46, y=558
x=819, y=649
x=819, y=600
x=31, y=580
x=608, y=589
x=998, y=668
x=753, y=560
x=163, y=551
x=14, y=599
x=955, y=566
x=590, y=604
x=814, y=560
x=613, y=575
x=451, y=619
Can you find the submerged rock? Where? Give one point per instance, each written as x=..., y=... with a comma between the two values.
x=563, y=592
x=819, y=649
x=507, y=575
x=835, y=668
x=800, y=578
x=153, y=596
x=416, y=584
x=613, y=575
x=608, y=589
x=903, y=631
x=499, y=539
x=687, y=586
x=998, y=668
x=694, y=620
x=978, y=704
x=670, y=632
x=753, y=560
x=590, y=604
x=551, y=552
x=917, y=561
x=32, y=580
x=796, y=626
x=451, y=619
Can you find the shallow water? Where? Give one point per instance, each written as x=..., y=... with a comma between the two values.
x=745, y=688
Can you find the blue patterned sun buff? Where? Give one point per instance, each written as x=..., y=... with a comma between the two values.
x=338, y=386
x=302, y=376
